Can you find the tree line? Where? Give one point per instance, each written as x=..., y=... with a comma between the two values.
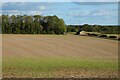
x=32, y=24
x=37, y=24
x=104, y=29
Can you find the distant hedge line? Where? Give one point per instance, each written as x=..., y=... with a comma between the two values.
x=105, y=36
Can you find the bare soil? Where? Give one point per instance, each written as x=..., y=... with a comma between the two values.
x=58, y=46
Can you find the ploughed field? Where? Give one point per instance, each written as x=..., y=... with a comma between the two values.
x=58, y=56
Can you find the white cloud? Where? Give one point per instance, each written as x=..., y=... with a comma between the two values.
x=96, y=13
x=17, y=12
x=80, y=13
x=60, y=0
x=42, y=8
x=36, y=0
x=13, y=1
x=104, y=12
x=95, y=0
x=35, y=12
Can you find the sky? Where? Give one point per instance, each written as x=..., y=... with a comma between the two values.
x=60, y=0
x=73, y=13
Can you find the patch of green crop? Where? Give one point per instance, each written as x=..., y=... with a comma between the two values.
x=47, y=66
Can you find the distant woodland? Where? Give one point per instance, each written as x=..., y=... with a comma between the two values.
x=37, y=24
x=104, y=29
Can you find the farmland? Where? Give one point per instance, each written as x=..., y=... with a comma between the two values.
x=58, y=56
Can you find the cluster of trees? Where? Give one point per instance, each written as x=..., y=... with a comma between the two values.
x=38, y=24
x=112, y=29
x=32, y=24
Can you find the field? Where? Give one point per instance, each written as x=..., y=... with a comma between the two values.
x=44, y=56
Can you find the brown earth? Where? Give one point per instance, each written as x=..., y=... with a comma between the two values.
x=58, y=46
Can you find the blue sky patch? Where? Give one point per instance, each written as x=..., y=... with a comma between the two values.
x=72, y=12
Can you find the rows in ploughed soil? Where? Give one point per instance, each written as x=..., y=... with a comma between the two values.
x=58, y=46
x=59, y=56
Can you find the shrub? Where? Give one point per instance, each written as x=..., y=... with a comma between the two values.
x=112, y=37
x=92, y=34
x=103, y=36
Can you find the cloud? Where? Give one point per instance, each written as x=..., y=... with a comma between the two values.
x=95, y=3
x=36, y=0
x=60, y=0
x=105, y=12
x=95, y=0
x=24, y=6
x=70, y=12
x=14, y=0
x=16, y=12
x=42, y=8
x=80, y=13
x=95, y=13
